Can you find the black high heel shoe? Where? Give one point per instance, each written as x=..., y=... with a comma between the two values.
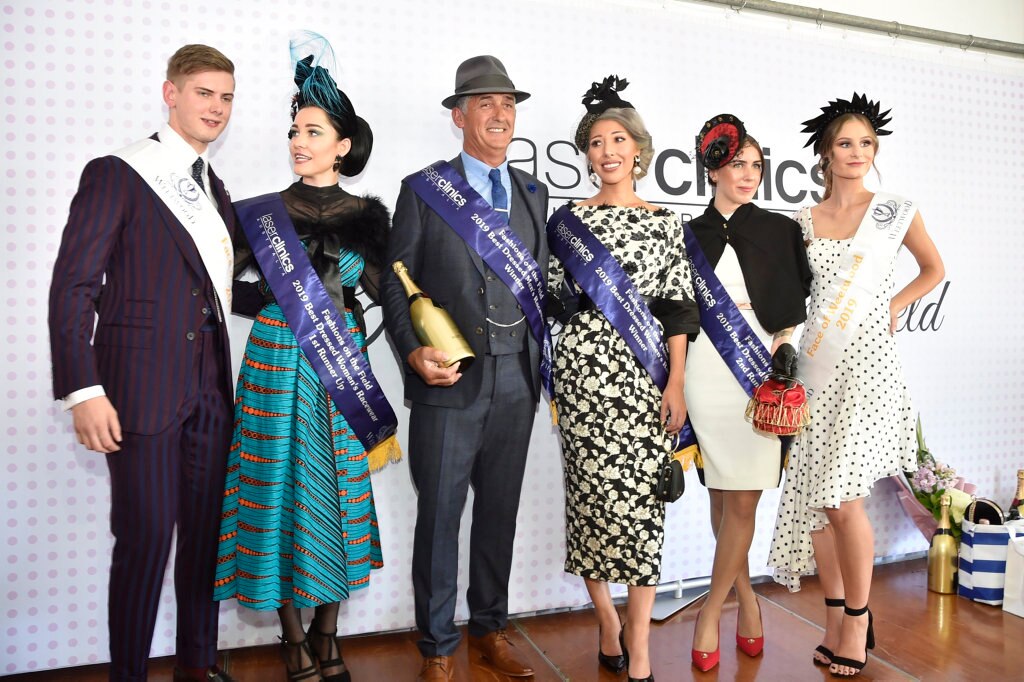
x=337, y=662
x=616, y=662
x=821, y=648
x=869, y=643
x=625, y=657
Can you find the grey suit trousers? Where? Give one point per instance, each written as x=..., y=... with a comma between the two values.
x=484, y=444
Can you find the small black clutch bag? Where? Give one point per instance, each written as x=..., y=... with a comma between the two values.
x=671, y=483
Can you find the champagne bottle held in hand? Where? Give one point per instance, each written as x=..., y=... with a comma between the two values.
x=433, y=325
x=942, y=555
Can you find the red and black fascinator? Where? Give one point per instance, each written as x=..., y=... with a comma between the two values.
x=598, y=99
x=719, y=140
x=858, y=104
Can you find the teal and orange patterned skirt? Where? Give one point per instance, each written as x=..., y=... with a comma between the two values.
x=298, y=523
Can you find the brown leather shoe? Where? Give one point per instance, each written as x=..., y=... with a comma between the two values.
x=498, y=650
x=436, y=669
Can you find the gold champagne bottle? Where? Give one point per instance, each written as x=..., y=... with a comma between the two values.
x=942, y=555
x=433, y=325
x=1017, y=506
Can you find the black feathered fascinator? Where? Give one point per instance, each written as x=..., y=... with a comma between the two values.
x=858, y=104
x=598, y=99
x=719, y=140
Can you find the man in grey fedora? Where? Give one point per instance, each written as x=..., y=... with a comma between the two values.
x=469, y=427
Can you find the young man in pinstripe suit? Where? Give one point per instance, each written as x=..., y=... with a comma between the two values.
x=147, y=249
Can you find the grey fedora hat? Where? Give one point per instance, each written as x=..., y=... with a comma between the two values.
x=482, y=75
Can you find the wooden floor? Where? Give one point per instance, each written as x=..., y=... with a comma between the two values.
x=920, y=635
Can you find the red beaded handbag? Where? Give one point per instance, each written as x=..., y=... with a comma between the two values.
x=779, y=407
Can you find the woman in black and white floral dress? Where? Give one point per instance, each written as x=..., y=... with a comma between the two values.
x=616, y=426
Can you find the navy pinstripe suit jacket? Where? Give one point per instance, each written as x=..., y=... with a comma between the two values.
x=125, y=257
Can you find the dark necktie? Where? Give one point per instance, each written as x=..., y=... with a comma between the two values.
x=197, y=173
x=499, y=197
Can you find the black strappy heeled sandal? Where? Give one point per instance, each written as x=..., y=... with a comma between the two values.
x=310, y=672
x=338, y=662
x=821, y=648
x=868, y=644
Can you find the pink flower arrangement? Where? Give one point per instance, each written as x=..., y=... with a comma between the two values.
x=919, y=492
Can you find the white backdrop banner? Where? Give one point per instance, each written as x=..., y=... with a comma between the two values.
x=82, y=78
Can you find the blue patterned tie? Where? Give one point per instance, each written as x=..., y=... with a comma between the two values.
x=499, y=197
x=197, y=173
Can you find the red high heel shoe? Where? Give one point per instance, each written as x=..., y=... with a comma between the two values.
x=751, y=646
x=704, y=660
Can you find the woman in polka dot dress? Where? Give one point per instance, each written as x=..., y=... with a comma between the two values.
x=862, y=426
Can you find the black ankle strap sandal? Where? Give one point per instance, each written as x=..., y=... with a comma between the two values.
x=821, y=648
x=338, y=662
x=310, y=672
x=868, y=644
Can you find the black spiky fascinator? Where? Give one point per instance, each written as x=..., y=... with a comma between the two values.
x=719, y=140
x=598, y=99
x=858, y=104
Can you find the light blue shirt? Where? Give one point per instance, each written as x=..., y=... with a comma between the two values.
x=476, y=176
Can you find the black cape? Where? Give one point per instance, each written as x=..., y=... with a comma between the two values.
x=772, y=256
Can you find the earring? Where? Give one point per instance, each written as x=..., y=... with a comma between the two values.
x=593, y=175
x=338, y=161
x=636, y=165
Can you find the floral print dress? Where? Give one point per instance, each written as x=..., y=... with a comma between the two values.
x=609, y=408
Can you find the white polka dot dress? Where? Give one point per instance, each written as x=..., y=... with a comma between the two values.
x=862, y=423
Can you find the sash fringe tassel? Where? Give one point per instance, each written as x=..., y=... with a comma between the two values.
x=386, y=452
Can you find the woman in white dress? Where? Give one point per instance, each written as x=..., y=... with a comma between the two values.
x=862, y=422
x=760, y=260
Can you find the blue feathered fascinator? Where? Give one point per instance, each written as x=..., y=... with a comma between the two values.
x=314, y=63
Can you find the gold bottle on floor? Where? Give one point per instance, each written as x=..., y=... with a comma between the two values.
x=433, y=325
x=942, y=555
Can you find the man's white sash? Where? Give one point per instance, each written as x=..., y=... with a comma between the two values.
x=854, y=287
x=195, y=212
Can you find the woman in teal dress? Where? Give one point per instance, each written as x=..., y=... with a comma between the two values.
x=299, y=527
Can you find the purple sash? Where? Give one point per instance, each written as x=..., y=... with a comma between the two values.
x=319, y=329
x=720, y=318
x=610, y=288
x=443, y=189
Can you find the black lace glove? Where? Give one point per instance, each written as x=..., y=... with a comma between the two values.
x=784, y=361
